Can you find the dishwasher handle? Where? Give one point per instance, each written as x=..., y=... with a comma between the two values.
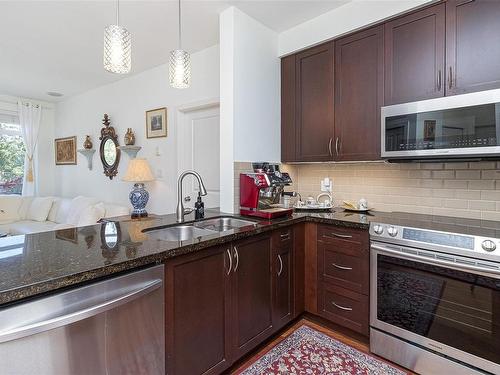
x=92, y=309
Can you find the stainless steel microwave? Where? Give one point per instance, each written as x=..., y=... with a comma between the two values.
x=457, y=127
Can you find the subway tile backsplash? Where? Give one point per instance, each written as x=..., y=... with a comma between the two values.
x=469, y=190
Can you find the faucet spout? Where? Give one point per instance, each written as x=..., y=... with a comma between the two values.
x=180, y=205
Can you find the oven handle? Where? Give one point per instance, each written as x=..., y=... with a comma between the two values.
x=438, y=262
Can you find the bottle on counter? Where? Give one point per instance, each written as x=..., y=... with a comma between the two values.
x=199, y=208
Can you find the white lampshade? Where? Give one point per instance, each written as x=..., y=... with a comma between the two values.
x=138, y=170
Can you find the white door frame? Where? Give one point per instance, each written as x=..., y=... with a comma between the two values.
x=181, y=112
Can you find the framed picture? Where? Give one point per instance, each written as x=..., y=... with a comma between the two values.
x=65, y=149
x=156, y=123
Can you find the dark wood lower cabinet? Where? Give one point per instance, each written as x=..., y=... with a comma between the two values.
x=283, y=277
x=251, y=294
x=224, y=301
x=197, y=313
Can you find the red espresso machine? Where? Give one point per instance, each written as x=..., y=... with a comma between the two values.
x=260, y=191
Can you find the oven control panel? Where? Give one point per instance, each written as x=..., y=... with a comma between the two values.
x=432, y=239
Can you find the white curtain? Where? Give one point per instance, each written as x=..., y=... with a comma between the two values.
x=29, y=119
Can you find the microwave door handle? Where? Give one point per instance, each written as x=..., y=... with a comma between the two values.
x=437, y=262
x=83, y=313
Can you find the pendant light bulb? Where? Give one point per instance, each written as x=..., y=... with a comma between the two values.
x=117, y=57
x=179, y=64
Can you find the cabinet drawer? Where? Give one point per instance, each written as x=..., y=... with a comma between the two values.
x=282, y=237
x=347, y=271
x=345, y=237
x=344, y=307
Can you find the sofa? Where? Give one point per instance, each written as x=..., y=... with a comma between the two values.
x=24, y=215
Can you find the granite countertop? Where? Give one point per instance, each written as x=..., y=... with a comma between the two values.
x=38, y=263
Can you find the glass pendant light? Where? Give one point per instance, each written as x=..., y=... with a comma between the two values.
x=179, y=64
x=117, y=47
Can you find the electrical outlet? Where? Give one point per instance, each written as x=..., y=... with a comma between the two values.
x=326, y=185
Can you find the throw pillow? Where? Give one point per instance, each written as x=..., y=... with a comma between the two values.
x=91, y=215
x=39, y=208
x=76, y=207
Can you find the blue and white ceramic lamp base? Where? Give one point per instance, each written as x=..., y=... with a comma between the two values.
x=139, y=198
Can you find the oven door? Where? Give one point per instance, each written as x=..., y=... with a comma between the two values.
x=445, y=303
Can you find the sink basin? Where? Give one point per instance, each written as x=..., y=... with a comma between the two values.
x=222, y=224
x=179, y=233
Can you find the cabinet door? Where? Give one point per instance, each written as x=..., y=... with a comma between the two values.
x=472, y=45
x=288, y=137
x=359, y=94
x=197, y=313
x=414, y=56
x=251, y=294
x=282, y=260
x=314, y=103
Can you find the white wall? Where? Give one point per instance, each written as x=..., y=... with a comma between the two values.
x=344, y=19
x=250, y=96
x=44, y=154
x=126, y=101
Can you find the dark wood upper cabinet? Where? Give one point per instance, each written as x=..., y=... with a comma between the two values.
x=472, y=45
x=415, y=56
x=197, y=311
x=288, y=136
x=359, y=94
x=251, y=294
x=314, y=103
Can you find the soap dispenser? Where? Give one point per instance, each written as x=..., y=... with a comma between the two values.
x=199, y=208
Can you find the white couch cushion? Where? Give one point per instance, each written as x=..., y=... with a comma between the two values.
x=62, y=210
x=9, y=208
x=25, y=206
x=30, y=226
x=91, y=215
x=77, y=206
x=113, y=210
x=39, y=208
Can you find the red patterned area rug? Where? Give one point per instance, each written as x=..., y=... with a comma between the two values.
x=307, y=351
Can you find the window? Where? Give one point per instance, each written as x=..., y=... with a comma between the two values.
x=12, y=154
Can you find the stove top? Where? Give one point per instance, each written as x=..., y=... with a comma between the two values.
x=467, y=237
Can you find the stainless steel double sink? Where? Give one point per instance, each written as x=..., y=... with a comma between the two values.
x=207, y=227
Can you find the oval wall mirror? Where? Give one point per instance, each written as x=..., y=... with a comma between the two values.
x=109, y=151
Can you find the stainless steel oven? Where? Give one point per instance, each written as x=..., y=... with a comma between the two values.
x=433, y=307
x=461, y=126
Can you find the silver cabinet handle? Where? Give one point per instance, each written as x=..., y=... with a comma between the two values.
x=342, y=267
x=330, y=146
x=88, y=310
x=337, y=146
x=439, y=80
x=285, y=236
x=236, y=258
x=341, y=235
x=230, y=261
x=341, y=307
x=281, y=265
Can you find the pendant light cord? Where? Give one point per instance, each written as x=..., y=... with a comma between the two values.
x=180, y=39
x=117, y=12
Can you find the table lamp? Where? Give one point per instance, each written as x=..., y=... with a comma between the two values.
x=138, y=172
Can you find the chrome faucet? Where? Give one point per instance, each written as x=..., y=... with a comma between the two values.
x=180, y=206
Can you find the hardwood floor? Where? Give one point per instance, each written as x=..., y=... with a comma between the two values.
x=360, y=344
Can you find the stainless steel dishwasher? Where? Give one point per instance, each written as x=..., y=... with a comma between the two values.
x=115, y=326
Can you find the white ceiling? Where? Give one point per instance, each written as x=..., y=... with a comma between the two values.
x=57, y=45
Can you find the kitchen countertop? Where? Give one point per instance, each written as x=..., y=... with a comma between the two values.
x=42, y=262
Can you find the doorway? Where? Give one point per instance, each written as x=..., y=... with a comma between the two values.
x=199, y=150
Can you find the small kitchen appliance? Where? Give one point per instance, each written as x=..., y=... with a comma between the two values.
x=261, y=191
x=435, y=294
